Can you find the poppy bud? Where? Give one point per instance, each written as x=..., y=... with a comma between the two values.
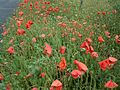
x=111, y=84
x=100, y=39
x=62, y=49
x=1, y=77
x=11, y=50
x=94, y=54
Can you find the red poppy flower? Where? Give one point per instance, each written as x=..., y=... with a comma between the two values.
x=109, y=36
x=79, y=35
x=43, y=7
x=107, y=33
x=8, y=87
x=112, y=60
x=90, y=49
x=47, y=50
x=62, y=49
x=91, y=34
x=42, y=75
x=56, y=9
x=26, y=1
x=62, y=64
x=30, y=8
x=21, y=13
x=28, y=24
x=89, y=40
x=103, y=13
x=22, y=43
x=98, y=12
x=76, y=73
x=117, y=38
x=111, y=84
x=94, y=54
x=46, y=2
x=36, y=3
x=11, y=40
x=100, y=39
x=4, y=33
x=34, y=39
x=50, y=8
x=11, y=50
x=20, y=31
x=79, y=25
x=73, y=39
x=56, y=85
x=1, y=77
x=81, y=66
x=62, y=24
x=34, y=88
x=85, y=45
x=31, y=4
x=19, y=23
x=74, y=23
x=17, y=73
x=103, y=65
x=107, y=63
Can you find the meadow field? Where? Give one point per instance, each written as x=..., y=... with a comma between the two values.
x=61, y=45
